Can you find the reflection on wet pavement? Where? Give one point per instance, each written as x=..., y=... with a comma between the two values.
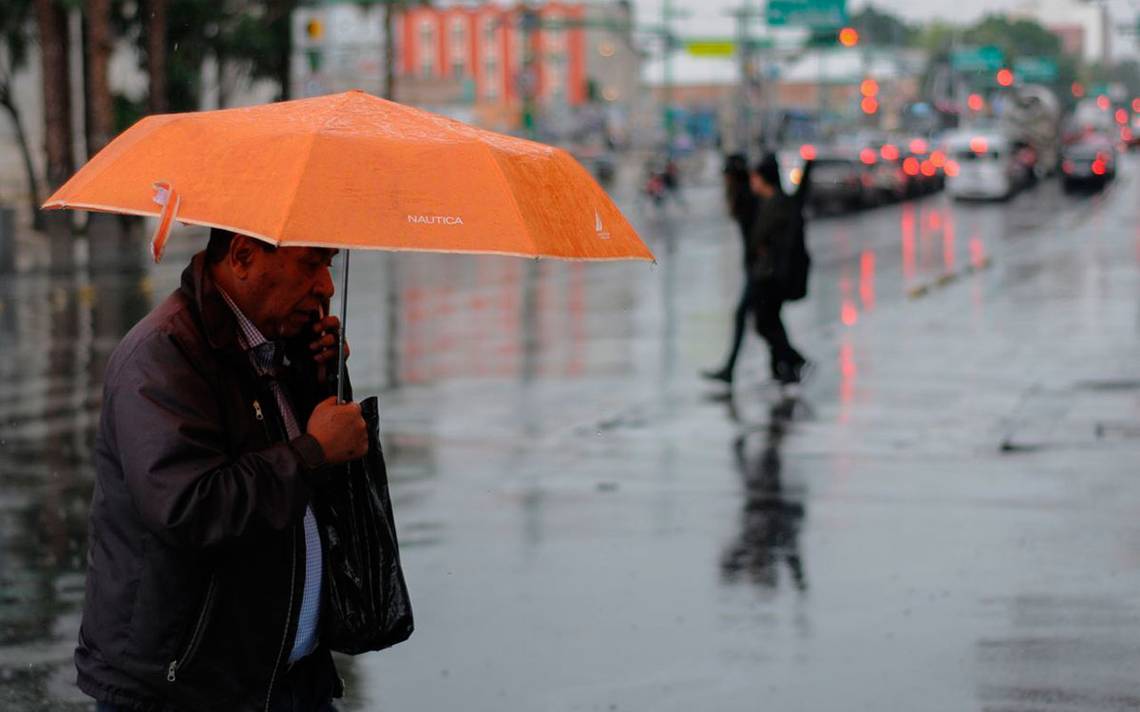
x=584, y=525
x=771, y=516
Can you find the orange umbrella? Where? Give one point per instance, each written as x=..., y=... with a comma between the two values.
x=352, y=171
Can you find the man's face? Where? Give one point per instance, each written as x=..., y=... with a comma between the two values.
x=285, y=289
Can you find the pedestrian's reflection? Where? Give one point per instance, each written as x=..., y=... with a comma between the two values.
x=770, y=519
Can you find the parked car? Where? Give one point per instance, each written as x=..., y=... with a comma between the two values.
x=1088, y=161
x=840, y=179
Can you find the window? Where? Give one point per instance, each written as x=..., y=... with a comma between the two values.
x=458, y=32
x=458, y=69
x=490, y=79
x=427, y=48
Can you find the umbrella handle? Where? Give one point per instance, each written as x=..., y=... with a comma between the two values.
x=342, y=330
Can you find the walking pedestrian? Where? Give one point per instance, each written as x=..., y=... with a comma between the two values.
x=743, y=205
x=778, y=265
x=204, y=580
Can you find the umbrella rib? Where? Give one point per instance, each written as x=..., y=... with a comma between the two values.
x=511, y=193
x=301, y=175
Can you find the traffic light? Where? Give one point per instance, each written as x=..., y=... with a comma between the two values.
x=825, y=37
x=1005, y=77
x=314, y=30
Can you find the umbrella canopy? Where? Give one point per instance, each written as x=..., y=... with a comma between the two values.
x=353, y=171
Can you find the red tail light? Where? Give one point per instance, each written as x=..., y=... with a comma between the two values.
x=889, y=152
x=1099, y=168
x=867, y=155
x=807, y=152
x=911, y=166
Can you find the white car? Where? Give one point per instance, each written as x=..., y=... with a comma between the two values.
x=981, y=165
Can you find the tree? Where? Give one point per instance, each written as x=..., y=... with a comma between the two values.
x=1126, y=72
x=155, y=35
x=15, y=23
x=882, y=28
x=98, y=41
x=51, y=19
x=1017, y=38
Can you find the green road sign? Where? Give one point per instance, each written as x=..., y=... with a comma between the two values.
x=977, y=59
x=1035, y=69
x=807, y=13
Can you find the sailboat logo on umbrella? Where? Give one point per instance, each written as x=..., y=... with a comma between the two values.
x=599, y=228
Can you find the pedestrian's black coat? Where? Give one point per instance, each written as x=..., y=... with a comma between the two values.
x=196, y=562
x=769, y=243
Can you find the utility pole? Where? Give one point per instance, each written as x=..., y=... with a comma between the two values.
x=667, y=88
x=529, y=24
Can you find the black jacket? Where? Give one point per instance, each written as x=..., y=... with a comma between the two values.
x=195, y=565
x=744, y=206
x=770, y=238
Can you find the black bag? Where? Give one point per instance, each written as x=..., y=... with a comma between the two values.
x=795, y=282
x=366, y=604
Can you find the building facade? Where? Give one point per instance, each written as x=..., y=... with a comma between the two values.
x=485, y=62
x=1085, y=28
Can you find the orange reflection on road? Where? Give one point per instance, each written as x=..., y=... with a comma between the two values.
x=849, y=313
x=948, y=246
x=906, y=229
x=978, y=252
x=847, y=373
x=867, y=279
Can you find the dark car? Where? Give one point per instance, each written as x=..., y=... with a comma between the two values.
x=1088, y=161
x=841, y=180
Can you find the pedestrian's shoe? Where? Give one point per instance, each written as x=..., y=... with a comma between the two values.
x=787, y=374
x=805, y=370
x=723, y=374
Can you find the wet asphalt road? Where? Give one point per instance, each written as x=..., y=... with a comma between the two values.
x=944, y=519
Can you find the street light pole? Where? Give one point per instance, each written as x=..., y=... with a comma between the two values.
x=667, y=35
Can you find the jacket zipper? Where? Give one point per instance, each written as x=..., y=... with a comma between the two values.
x=259, y=415
x=196, y=636
x=288, y=622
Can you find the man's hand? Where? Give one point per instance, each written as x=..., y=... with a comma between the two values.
x=339, y=429
x=325, y=346
x=326, y=334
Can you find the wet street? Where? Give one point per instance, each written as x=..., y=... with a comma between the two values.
x=944, y=519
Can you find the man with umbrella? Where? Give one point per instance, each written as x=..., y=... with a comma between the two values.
x=205, y=570
x=205, y=577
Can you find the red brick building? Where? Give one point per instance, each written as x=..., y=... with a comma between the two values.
x=478, y=51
